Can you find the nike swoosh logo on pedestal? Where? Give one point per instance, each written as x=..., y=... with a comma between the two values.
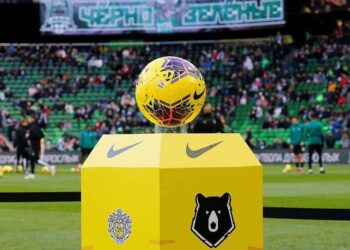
x=112, y=153
x=196, y=153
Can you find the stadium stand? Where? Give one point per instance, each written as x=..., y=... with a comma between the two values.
x=255, y=86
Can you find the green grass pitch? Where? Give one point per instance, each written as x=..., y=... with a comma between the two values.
x=56, y=226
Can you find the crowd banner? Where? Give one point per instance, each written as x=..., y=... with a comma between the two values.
x=265, y=156
x=53, y=157
x=77, y=17
x=330, y=156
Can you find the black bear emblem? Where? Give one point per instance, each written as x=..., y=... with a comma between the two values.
x=213, y=220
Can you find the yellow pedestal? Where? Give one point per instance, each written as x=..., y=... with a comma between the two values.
x=172, y=191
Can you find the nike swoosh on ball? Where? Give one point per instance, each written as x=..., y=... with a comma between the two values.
x=196, y=97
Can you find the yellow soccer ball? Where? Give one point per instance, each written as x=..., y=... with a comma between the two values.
x=287, y=168
x=20, y=169
x=45, y=170
x=7, y=169
x=170, y=91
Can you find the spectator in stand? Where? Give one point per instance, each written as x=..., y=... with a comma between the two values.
x=127, y=99
x=345, y=139
x=253, y=114
x=248, y=64
x=276, y=144
x=329, y=140
x=279, y=39
x=3, y=146
x=68, y=108
x=10, y=123
x=348, y=98
x=43, y=114
x=279, y=144
x=267, y=122
x=327, y=6
x=262, y=145
x=68, y=143
x=208, y=122
x=248, y=136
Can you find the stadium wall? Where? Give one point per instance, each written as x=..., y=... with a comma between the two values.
x=267, y=156
x=330, y=156
x=53, y=157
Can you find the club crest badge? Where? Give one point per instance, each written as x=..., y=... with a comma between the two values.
x=213, y=220
x=58, y=17
x=119, y=226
